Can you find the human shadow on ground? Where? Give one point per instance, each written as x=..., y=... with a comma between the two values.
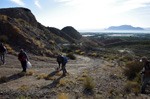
x=55, y=82
x=5, y=79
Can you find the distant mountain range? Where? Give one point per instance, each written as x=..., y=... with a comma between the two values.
x=124, y=27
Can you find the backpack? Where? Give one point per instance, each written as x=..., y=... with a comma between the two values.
x=2, y=49
x=65, y=58
x=21, y=57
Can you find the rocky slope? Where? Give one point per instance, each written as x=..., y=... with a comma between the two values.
x=20, y=29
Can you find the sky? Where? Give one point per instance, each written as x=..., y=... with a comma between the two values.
x=86, y=14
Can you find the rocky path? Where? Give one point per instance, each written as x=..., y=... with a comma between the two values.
x=106, y=75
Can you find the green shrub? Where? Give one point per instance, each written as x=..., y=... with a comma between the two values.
x=71, y=56
x=89, y=84
x=23, y=97
x=132, y=68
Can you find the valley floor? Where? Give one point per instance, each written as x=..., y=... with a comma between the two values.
x=107, y=77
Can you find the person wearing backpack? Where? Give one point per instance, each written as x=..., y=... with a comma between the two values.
x=3, y=51
x=23, y=58
x=64, y=61
x=145, y=74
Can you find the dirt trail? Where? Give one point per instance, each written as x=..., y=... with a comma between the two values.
x=104, y=72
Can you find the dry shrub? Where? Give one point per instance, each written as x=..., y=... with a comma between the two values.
x=94, y=54
x=49, y=52
x=62, y=82
x=3, y=17
x=71, y=56
x=109, y=64
x=51, y=41
x=63, y=96
x=84, y=75
x=30, y=73
x=23, y=87
x=40, y=76
x=132, y=86
x=82, y=53
x=38, y=43
x=59, y=74
x=17, y=29
x=132, y=68
x=10, y=50
x=77, y=51
x=89, y=84
x=3, y=38
x=3, y=79
x=49, y=78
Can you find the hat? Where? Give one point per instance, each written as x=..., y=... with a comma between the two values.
x=143, y=58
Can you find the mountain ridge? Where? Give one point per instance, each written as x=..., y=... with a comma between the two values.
x=124, y=27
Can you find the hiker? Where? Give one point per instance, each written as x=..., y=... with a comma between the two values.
x=145, y=74
x=63, y=60
x=59, y=61
x=23, y=58
x=3, y=51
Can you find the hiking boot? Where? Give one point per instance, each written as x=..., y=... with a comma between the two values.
x=143, y=92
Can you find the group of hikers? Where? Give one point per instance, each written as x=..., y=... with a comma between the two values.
x=23, y=58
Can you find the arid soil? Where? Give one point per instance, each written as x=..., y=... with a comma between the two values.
x=106, y=74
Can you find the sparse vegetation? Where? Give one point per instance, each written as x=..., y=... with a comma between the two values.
x=71, y=56
x=89, y=84
x=63, y=96
x=132, y=68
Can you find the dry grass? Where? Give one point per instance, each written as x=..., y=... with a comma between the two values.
x=109, y=64
x=94, y=54
x=49, y=78
x=89, y=84
x=3, y=17
x=51, y=41
x=84, y=75
x=10, y=50
x=63, y=96
x=23, y=87
x=30, y=73
x=62, y=82
x=17, y=29
x=82, y=53
x=59, y=74
x=77, y=51
x=81, y=79
x=132, y=86
x=41, y=76
x=39, y=85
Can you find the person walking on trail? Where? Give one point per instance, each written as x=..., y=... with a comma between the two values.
x=23, y=58
x=62, y=60
x=145, y=74
x=3, y=51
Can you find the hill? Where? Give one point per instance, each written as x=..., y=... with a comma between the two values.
x=20, y=29
x=124, y=27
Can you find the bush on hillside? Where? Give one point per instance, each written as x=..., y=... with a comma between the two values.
x=71, y=56
x=132, y=68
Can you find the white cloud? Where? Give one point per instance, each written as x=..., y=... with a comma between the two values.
x=19, y=2
x=37, y=4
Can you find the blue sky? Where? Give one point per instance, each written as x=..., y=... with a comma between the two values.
x=86, y=14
